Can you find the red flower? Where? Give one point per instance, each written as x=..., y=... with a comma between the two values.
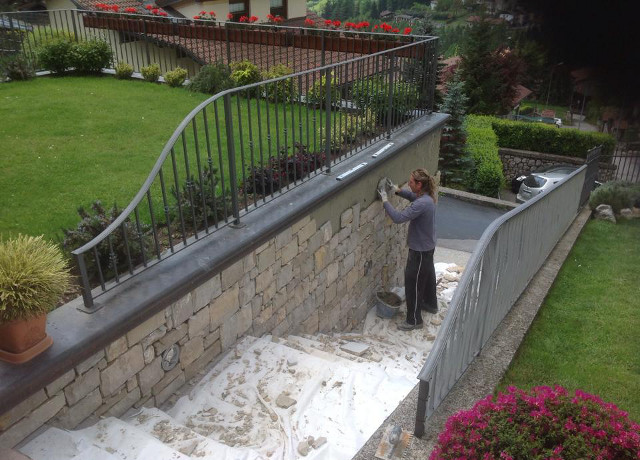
x=364, y=24
x=196, y=17
x=278, y=19
x=375, y=27
x=270, y=17
x=212, y=14
x=149, y=7
x=163, y=13
x=115, y=7
x=202, y=13
x=155, y=11
x=395, y=30
x=243, y=19
x=327, y=22
x=309, y=22
x=130, y=10
x=336, y=23
x=407, y=30
x=253, y=19
x=229, y=16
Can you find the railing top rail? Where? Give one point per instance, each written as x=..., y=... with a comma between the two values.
x=438, y=347
x=174, y=19
x=189, y=118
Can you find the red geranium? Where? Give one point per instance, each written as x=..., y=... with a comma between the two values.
x=395, y=30
x=229, y=16
x=278, y=19
x=196, y=17
x=149, y=7
x=336, y=23
x=253, y=19
x=212, y=14
x=115, y=7
x=309, y=22
x=243, y=19
x=407, y=30
x=130, y=10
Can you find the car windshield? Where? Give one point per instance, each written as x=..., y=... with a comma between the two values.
x=534, y=181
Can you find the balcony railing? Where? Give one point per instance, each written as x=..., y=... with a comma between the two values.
x=242, y=147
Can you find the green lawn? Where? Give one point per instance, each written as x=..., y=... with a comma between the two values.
x=69, y=141
x=586, y=332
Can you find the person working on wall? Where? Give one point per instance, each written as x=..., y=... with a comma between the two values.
x=419, y=274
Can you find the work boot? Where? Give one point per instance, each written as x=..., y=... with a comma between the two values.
x=409, y=327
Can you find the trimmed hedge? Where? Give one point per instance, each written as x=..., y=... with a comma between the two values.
x=549, y=139
x=487, y=177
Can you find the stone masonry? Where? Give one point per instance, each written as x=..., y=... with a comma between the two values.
x=309, y=278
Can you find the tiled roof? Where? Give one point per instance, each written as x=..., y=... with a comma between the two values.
x=548, y=113
x=139, y=5
x=521, y=93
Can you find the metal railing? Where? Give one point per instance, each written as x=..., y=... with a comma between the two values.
x=142, y=40
x=626, y=159
x=242, y=147
x=507, y=256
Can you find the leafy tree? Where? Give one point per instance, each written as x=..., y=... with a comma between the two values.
x=455, y=163
x=490, y=71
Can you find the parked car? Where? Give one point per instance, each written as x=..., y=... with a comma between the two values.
x=540, y=181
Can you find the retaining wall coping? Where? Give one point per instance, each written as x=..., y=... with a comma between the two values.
x=77, y=335
x=550, y=157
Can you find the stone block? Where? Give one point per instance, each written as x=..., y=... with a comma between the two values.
x=121, y=370
x=356, y=216
x=315, y=242
x=181, y=311
x=122, y=406
x=232, y=274
x=209, y=339
x=269, y=293
x=346, y=218
x=289, y=251
x=284, y=276
x=24, y=408
x=320, y=259
x=310, y=325
x=207, y=356
x=247, y=292
x=249, y=262
x=116, y=348
x=154, y=337
x=137, y=334
x=82, y=386
x=283, y=238
x=199, y=323
x=333, y=270
x=264, y=279
x=245, y=319
x=61, y=382
x=263, y=246
x=330, y=293
x=170, y=389
x=88, y=363
x=306, y=232
x=348, y=262
x=150, y=375
x=191, y=350
x=32, y=422
x=204, y=294
x=295, y=228
x=224, y=306
x=149, y=354
x=172, y=337
x=266, y=258
x=166, y=380
x=72, y=416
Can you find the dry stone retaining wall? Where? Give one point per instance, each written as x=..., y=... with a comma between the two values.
x=310, y=277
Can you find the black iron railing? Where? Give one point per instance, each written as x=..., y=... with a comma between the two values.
x=242, y=147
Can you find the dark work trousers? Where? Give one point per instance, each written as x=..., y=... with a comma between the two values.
x=420, y=285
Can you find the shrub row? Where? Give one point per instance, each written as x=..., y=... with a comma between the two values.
x=549, y=139
x=85, y=57
x=487, y=177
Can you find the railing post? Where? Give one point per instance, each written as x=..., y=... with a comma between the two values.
x=85, y=287
x=390, y=101
x=421, y=412
x=226, y=36
x=322, y=52
x=231, y=152
x=327, y=121
x=146, y=41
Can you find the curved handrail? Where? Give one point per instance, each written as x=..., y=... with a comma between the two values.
x=124, y=215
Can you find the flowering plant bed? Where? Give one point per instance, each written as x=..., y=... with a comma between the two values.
x=543, y=423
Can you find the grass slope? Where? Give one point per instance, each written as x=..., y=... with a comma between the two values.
x=586, y=333
x=68, y=141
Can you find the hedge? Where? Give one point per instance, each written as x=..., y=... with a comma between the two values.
x=487, y=177
x=549, y=139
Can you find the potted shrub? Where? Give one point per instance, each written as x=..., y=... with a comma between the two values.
x=33, y=277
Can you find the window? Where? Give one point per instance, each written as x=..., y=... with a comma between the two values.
x=278, y=8
x=238, y=8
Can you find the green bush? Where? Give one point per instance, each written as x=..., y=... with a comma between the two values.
x=176, y=77
x=283, y=90
x=90, y=56
x=349, y=127
x=212, y=79
x=373, y=93
x=487, y=177
x=33, y=277
x=245, y=73
x=317, y=93
x=617, y=194
x=151, y=73
x=55, y=56
x=92, y=224
x=123, y=71
x=16, y=68
x=539, y=137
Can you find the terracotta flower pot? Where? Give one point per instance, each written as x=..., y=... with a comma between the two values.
x=22, y=340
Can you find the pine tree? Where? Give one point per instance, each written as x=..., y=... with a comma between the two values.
x=454, y=163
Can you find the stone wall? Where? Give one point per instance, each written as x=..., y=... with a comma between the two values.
x=517, y=162
x=315, y=274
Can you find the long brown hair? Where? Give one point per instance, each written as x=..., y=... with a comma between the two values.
x=428, y=183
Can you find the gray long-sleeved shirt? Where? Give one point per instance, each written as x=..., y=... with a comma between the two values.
x=421, y=216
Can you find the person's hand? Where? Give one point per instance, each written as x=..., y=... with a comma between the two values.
x=383, y=195
x=392, y=186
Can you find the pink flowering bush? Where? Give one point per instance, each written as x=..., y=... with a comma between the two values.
x=544, y=423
